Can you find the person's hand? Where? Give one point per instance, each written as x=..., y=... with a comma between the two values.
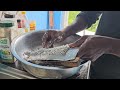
x=50, y=37
x=92, y=47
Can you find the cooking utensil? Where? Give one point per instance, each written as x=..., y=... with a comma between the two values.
x=33, y=39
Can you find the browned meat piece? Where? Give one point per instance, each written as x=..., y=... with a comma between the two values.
x=71, y=63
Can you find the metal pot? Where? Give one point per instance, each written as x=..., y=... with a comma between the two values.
x=32, y=39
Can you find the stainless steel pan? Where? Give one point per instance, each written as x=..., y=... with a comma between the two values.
x=30, y=40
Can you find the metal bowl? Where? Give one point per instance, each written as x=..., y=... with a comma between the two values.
x=30, y=40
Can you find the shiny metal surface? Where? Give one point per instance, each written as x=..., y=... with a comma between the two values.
x=7, y=72
x=85, y=71
x=33, y=39
x=88, y=69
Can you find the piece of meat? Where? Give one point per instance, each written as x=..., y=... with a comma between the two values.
x=41, y=56
x=68, y=64
x=46, y=54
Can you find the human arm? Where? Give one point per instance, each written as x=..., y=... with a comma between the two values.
x=92, y=47
x=83, y=20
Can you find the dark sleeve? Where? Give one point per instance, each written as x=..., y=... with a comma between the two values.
x=90, y=16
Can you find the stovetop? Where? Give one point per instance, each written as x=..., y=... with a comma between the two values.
x=82, y=74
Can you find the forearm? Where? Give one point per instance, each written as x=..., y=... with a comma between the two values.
x=115, y=47
x=78, y=25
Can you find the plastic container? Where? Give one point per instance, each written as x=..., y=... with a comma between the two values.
x=19, y=23
x=5, y=41
x=23, y=21
x=32, y=25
